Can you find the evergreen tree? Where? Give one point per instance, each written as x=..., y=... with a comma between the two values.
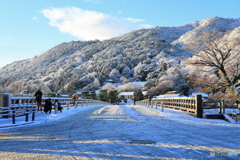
x=85, y=94
x=92, y=95
x=113, y=96
x=103, y=95
x=138, y=95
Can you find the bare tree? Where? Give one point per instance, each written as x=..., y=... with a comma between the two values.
x=219, y=52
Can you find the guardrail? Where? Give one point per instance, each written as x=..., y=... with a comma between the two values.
x=236, y=115
x=23, y=106
x=1, y=101
x=192, y=105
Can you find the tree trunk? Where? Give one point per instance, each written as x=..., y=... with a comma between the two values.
x=230, y=86
x=234, y=93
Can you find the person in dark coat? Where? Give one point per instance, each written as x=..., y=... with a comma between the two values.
x=134, y=100
x=38, y=96
x=48, y=106
x=150, y=99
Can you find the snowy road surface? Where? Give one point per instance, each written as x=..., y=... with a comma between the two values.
x=120, y=132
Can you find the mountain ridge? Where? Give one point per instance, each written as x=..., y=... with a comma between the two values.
x=141, y=54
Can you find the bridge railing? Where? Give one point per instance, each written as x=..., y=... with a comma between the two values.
x=192, y=105
x=23, y=106
x=1, y=102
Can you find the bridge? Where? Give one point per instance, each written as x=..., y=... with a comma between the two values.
x=122, y=132
x=24, y=106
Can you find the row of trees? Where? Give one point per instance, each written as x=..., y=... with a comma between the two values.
x=110, y=95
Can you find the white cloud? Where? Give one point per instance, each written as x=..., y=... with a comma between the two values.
x=135, y=20
x=93, y=1
x=88, y=25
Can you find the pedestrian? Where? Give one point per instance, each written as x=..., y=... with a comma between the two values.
x=150, y=99
x=38, y=96
x=134, y=100
x=48, y=106
x=75, y=98
x=58, y=104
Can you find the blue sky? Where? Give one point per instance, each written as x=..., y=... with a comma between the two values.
x=30, y=27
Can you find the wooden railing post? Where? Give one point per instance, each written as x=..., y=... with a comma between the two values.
x=222, y=109
x=199, y=106
x=56, y=107
x=162, y=105
x=13, y=116
x=6, y=103
x=76, y=104
x=68, y=105
x=33, y=113
x=219, y=105
x=26, y=120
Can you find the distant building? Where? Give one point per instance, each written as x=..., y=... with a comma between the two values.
x=67, y=94
x=129, y=95
x=203, y=94
x=24, y=91
x=170, y=94
x=109, y=81
x=142, y=83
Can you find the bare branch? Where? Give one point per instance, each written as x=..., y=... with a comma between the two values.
x=218, y=52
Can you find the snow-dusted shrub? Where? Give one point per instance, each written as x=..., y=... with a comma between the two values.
x=128, y=87
x=96, y=83
x=124, y=79
x=109, y=86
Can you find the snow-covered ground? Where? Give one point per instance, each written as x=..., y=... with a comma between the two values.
x=119, y=132
x=41, y=117
x=167, y=113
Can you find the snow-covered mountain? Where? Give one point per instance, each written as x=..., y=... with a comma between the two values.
x=142, y=54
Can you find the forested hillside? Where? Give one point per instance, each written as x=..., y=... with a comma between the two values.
x=154, y=54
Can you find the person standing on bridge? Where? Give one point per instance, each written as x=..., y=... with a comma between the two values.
x=150, y=99
x=38, y=96
x=75, y=98
x=134, y=100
